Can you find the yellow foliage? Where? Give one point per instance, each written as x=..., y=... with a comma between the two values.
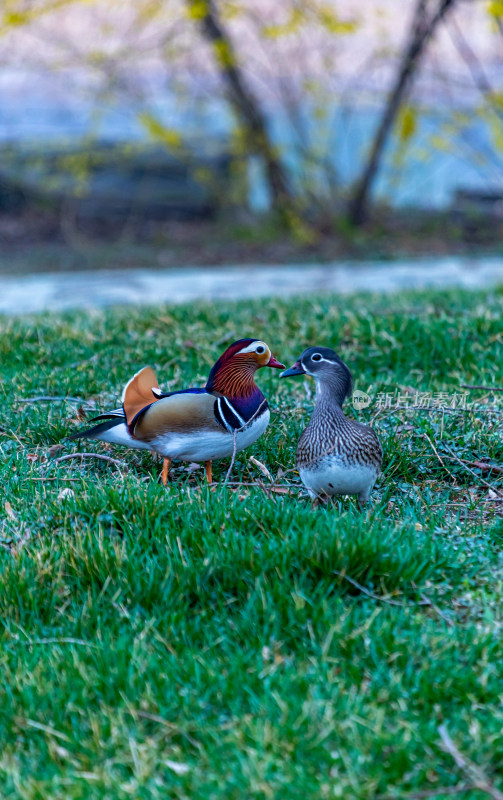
x=323, y=13
x=495, y=8
x=230, y=11
x=14, y=16
x=439, y=143
x=12, y=19
x=149, y=12
x=497, y=100
x=157, y=130
x=407, y=123
x=495, y=127
x=333, y=23
x=197, y=9
x=290, y=26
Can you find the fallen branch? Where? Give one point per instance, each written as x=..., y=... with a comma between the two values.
x=101, y=457
x=487, y=467
x=161, y=721
x=58, y=478
x=50, y=399
x=63, y=640
x=479, y=779
x=368, y=593
x=482, y=388
x=425, y=601
x=458, y=788
x=465, y=466
x=442, y=409
x=428, y=602
x=261, y=485
x=425, y=435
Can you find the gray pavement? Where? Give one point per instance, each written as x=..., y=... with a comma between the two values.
x=63, y=291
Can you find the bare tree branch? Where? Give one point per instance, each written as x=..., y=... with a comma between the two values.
x=241, y=97
x=422, y=29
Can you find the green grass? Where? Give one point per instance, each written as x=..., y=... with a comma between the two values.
x=202, y=645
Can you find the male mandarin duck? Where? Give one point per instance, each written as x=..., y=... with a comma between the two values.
x=335, y=455
x=200, y=424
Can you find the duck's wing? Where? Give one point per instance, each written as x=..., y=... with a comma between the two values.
x=181, y=413
x=150, y=413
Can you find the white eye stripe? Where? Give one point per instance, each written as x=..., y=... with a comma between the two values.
x=253, y=348
x=319, y=360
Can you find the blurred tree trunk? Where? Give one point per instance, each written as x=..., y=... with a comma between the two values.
x=244, y=103
x=424, y=23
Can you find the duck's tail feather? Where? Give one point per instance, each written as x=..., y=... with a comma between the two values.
x=117, y=413
x=98, y=430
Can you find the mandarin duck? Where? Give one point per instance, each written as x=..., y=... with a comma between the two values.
x=197, y=424
x=335, y=455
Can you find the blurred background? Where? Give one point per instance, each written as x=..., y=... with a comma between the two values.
x=139, y=133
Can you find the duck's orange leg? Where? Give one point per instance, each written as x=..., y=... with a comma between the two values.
x=209, y=476
x=165, y=471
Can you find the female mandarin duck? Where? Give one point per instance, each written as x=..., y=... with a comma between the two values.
x=193, y=424
x=335, y=455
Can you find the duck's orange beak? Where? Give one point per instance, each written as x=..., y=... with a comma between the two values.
x=273, y=362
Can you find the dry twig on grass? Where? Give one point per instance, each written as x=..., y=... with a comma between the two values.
x=465, y=466
x=370, y=594
x=425, y=601
x=428, y=602
x=423, y=794
x=51, y=399
x=479, y=779
x=485, y=467
x=425, y=436
x=62, y=640
x=482, y=388
x=109, y=459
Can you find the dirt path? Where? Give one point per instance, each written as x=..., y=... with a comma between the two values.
x=62, y=291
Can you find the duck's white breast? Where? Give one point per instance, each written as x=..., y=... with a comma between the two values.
x=332, y=476
x=208, y=445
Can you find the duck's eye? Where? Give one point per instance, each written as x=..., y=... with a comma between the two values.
x=316, y=357
x=260, y=349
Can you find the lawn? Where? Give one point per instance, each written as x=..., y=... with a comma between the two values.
x=237, y=643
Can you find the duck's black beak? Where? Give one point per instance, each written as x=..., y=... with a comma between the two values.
x=295, y=369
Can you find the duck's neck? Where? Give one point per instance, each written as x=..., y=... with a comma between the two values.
x=332, y=391
x=238, y=385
